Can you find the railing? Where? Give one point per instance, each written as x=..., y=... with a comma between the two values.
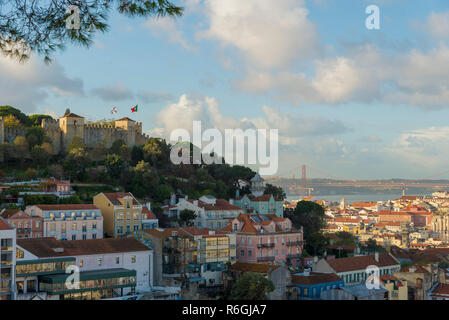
x=265, y=245
x=265, y=258
x=294, y=243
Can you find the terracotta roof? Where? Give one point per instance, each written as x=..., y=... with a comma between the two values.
x=44, y=247
x=185, y=232
x=361, y=262
x=315, y=278
x=386, y=278
x=8, y=213
x=115, y=196
x=4, y=225
x=150, y=215
x=364, y=204
x=62, y=207
x=442, y=289
x=253, y=267
x=264, y=198
x=418, y=269
x=220, y=205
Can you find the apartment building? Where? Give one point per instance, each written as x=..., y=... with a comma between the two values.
x=69, y=221
x=353, y=270
x=266, y=239
x=26, y=226
x=121, y=211
x=108, y=268
x=7, y=260
x=199, y=255
x=210, y=212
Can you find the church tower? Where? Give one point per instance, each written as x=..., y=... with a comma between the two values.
x=257, y=185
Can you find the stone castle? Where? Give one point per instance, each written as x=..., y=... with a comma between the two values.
x=62, y=131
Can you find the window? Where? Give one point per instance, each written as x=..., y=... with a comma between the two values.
x=84, y=227
x=136, y=216
x=73, y=236
x=133, y=259
x=84, y=237
x=250, y=253
x=136, y=228
x=276, y=252
x=117, y=260
x=38, y=224
x=100, y=261
x=81, y=263
x=128, y=229
x=235, y=226
x=94, y=236
x=74, y=226
x=242, y=253
x=94, y=225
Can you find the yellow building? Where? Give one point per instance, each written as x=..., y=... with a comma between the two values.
x=122, y=213
x=397, y=290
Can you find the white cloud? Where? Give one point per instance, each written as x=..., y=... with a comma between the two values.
x=116, y=92
x=27, y=85
x=269, y=34
x=167, y=28
x=438, y=24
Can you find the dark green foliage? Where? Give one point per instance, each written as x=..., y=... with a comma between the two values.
x=186, y=218
x=40, y=25
x=8, y=110
x=36, y=119
x=277, y=192
x=251, y=286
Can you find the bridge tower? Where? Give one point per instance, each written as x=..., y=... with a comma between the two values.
x=304, y=180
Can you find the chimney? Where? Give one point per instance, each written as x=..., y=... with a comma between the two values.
x=237, y=193
x=315, y=259
x=148, y=205
x=307, y=272
x=376, y=256
x=231, y=201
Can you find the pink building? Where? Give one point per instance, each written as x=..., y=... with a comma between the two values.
x=69, y=221
x=266, y=239
x=26, y=226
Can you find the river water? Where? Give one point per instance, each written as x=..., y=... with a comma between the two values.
x=356, y=197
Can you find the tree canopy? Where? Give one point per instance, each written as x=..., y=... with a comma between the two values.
x=251, y=286
x=45, y=27
x=277, y=192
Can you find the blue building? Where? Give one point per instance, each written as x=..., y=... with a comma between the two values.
x=309, y=285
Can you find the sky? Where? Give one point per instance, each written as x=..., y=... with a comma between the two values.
x=347, y=101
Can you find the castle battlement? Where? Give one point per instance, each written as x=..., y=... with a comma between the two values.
x=65, y=129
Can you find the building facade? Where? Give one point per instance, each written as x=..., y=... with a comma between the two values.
x=266, y=239
x=121, y=211
x=69, y=221
x=26, y=226
x=7, y=261
x=109, y=268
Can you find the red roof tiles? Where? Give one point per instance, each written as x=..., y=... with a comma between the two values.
x=361, y=262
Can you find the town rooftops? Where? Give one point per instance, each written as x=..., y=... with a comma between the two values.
x=4, y=225
x=150, y=215
x=8, y=213
x=115, y=196
x=50, y=247
x=184, y=232
x=315, y=278
x=253, y=267
x=441, y=290
x=220, y=205
x=361, y=262
x=64, y=207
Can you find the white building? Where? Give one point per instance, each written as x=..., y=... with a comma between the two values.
x=210, y=212
x=7, y=260
x=109, y=268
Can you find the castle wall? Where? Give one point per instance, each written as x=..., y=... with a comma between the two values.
x=10, y=134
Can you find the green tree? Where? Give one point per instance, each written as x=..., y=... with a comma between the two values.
x=7, y=151
x=186, y=218
x=77, y=144
x=344, y=238
x=8, y=110
x=35, y=136
x=56, y=170
x=114, y=165
x=251, y=286
x=21, y=148
x=311, y=217
x=98, y=152
x=116, y=145
x=277, y=192
x=162, y=192
x=40, y=26
x=30, y=174
x=11, y=121
x=40, y=156
x=36, y=119
x=125, y=153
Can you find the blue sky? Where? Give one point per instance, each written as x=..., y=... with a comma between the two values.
x=353, y=102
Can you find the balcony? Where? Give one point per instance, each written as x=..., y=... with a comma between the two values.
x=265, y=245
x=294, y=243
x=259, y=259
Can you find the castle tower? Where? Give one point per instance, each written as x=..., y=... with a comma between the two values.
x=131, y=127
x=72, y=126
